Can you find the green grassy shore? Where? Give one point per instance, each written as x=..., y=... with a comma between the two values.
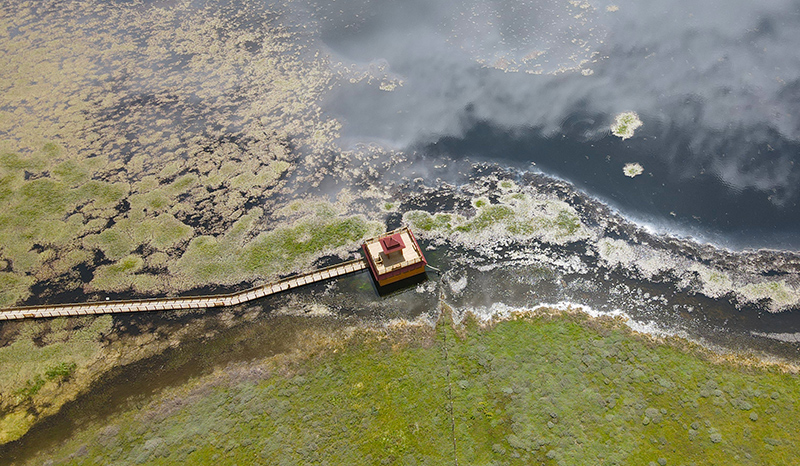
x=536, y=389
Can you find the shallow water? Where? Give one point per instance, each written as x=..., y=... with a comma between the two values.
x=662, y=197
x=133, y=385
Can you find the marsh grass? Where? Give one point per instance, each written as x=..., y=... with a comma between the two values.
x=45, y=355
x=121, y=275
x=61, y=371
x=91, y=163
x=546, y=389
x=76, y=345
x=625, y=124
x=285, y=249
x=519, y=215
x=424, y=221
x=41, y=195
x=13, y=287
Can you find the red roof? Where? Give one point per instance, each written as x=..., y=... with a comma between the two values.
x=392, y=244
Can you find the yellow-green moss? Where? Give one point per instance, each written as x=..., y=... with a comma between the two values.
x=13, y=287
x=533, y=390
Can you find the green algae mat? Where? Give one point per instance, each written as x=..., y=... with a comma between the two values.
x=541, y=389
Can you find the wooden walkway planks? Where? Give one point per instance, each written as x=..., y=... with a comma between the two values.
x=170, y=304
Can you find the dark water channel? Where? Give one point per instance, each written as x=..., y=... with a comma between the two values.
x=650, y=306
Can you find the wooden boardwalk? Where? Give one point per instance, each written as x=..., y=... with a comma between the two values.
x=194, y=302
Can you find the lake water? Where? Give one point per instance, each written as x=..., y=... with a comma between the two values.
x=714, y=83
x=536, y=86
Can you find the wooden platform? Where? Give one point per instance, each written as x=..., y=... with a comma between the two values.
x=197, y=302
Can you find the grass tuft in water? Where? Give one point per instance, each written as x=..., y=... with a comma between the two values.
x=625, y=124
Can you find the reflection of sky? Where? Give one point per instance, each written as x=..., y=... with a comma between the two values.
x=716, y=83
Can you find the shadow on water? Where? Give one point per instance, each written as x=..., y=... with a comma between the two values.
x=396, y=288
x=135, y=384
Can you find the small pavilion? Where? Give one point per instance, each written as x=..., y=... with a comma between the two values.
x=394, y=256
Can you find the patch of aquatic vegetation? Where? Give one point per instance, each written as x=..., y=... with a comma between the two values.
x=132, y=128
x=632, y=170
x=619, y=253
x=306, y=230
x=625, y=124
x=514, y=216
x=777, y=294
x=139, y=65
x=505, y=213
x=508, y=186
x=535, y=389
x=375, y=73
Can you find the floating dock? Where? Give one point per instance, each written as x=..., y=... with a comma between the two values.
x=394, y=256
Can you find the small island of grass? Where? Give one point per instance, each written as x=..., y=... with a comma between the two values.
x=632, y=169
x=625, y=124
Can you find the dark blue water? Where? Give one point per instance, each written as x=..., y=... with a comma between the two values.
x=670, y=197
x=717, y=86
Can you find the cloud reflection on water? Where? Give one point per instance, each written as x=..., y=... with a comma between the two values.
x=715, y=83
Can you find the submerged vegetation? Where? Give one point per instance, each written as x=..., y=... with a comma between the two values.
x=491, y=213
x=109, y=170
x=544, y=389
x=716, y=281
x=515, y=215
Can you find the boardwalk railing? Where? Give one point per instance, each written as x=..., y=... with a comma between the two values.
x=192, y=302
